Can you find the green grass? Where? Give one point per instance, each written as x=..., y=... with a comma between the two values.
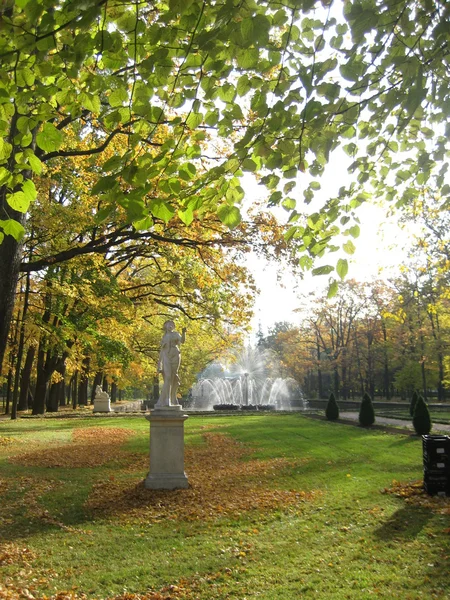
x=437, y=416
x=349, y=540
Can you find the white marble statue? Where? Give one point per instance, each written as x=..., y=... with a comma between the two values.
x=100, y=394
x=101, y=400
x=169, y=363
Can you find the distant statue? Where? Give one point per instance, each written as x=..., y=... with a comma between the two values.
x=169, y=363
x=100, y=394
x=101, y=400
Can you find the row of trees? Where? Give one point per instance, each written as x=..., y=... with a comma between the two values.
x=175, y=101
x=384, y=338
x=93, y=295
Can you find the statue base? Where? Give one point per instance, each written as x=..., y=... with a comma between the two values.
x=102, y=405
x=166, y=449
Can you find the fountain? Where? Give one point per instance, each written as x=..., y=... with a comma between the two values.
x=250, y=379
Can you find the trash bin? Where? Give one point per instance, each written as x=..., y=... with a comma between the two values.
x=436, y=464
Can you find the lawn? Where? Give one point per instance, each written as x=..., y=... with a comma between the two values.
x=279, y=506
x=437, y=416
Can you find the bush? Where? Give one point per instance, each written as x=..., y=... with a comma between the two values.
x=249, y=407
x=366, y=412
x=332, y=409
x=266, y=407
x=421, y=418
x=413, y=403
x=226, y=407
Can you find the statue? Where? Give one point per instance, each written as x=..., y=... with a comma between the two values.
x=101, y=400
x=169, y=362
x=100, y=394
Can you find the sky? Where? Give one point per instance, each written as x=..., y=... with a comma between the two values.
x=380, y=248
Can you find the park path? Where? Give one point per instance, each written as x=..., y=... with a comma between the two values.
x=354, y=416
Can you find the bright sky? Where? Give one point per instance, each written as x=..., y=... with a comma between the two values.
x=380, y=249
x=374, y=258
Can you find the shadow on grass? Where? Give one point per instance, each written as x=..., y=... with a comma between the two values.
x=406, y=523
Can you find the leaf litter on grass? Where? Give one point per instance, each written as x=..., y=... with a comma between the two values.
x=89, y=447
x=413, y=492
x=223, y=481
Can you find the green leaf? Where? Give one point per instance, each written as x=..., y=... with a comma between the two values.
x=194, y=120
x=333, y=289
x=50, y=138
x=4, y=175
x=349, y=247
x=104, y=184
x=143, y=224
x=290, y=233
x=29, y=190
x=90, y=102
x=354, y=231
x=325, y=270
x=187, y=216
x=18, y=201
x=161, y=210
x=342, y=267
x=288, y=203
x=305, y=262
x=248, y=58
x=243, y=85
x=118, y=97
x=13, y=228
x=249, y=165
x=229, y=215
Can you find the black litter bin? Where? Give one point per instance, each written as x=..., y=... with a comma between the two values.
x=436, y=464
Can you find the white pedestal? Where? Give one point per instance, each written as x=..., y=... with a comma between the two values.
x=166, y=449
x=102, y=405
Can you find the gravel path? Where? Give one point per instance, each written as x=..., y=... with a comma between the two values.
x=437, y=427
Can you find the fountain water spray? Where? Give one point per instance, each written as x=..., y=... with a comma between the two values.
x=248, y=378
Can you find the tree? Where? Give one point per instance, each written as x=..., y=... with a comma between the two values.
x=332, y=408
x=421, y=418
x=256, y=79
x=366, y=411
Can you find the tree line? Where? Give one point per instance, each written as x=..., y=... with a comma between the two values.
x=386, y=339
x=130, y=125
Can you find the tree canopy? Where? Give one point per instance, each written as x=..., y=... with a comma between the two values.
x=198, y=93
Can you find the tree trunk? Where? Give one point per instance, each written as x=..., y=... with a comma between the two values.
x=386, y=378
x=25, y=378
x=84, y=380
x=20, y=350
x=42, y=379
x=336, y=382
x=8, y=389
x=97, y=381
x=10, y=258
x=75, y=390
x=113, y=391
x=53, y=398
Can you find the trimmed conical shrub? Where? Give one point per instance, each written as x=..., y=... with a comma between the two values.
x=421, y=417
x=332, y=409
x=413, y=403
x=366, y=412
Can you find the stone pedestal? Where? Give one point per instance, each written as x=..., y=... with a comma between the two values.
x=102, y=405
x=166, y=449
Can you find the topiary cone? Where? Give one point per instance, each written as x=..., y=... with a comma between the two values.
x=332, y=409
x=366, y=411
x=421, y=418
